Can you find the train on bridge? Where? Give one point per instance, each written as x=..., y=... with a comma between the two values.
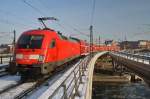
x=41, y=51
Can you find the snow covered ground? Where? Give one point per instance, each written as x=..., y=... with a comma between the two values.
x=4, y=65
x=3, y=68
x=8, y=80
x=12, y=93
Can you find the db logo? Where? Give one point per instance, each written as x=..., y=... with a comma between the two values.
x=25, y=56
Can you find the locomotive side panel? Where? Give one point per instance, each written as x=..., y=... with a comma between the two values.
x=67, y=51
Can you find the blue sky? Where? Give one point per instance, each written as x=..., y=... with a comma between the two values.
x=113, y=19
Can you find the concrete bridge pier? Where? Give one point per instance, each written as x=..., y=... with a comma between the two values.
x=118, y=67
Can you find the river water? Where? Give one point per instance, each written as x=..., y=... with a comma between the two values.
x=121, y=91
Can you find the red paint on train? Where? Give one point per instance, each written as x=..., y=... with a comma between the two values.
x=47, y=49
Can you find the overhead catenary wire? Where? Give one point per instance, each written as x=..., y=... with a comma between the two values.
x=5, y=35
x=15, y=16
x=8, y=22
x=33, y=7
x=5, y=32
x=41, y=13
x=12, y=23
x=59, y=24
x=46, y=7
x=74, y=29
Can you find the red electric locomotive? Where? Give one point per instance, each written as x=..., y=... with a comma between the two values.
x=43, y=50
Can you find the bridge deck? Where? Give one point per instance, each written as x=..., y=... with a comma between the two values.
x=140, y=68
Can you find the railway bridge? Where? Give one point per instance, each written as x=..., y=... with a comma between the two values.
x=82, y=78
x=76, y=82
x=139, y=64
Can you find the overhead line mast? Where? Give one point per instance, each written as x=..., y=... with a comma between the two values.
x=91, y=41
x=91, y=29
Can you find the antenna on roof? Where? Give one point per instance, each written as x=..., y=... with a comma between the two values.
x=42, y=19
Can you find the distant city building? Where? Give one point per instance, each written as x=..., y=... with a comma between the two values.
x=129, y=45
x=110, y=43
x=144, y=44
x=6, y=48
x=140, y=44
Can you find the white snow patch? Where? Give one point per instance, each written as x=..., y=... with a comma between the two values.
x=4, y=65
x=11, y=94
x=8, y=81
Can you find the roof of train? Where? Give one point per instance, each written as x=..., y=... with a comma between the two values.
x=45, y=31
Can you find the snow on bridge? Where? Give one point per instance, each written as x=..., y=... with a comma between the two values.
x=76, y=82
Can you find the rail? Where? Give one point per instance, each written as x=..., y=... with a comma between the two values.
x=69, y=86
x=135, y=57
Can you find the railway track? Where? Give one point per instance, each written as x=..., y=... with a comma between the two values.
x=43, y=82
x=27, y=88
x=12, y=92
x=10, y=87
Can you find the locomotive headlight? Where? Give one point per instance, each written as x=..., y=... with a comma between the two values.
x=41, y=58
x=19, y=56
x=34, y=57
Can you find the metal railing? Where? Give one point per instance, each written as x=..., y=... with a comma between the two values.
x=68, y=89
x=5, y=58
x=135, y=57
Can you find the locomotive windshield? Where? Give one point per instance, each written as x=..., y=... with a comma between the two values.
x=30, y=41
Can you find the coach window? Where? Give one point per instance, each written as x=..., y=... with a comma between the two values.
x=53, y=43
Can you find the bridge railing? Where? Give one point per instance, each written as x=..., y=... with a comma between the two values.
x=5, y=58
x=68, y=89
x=135, y=57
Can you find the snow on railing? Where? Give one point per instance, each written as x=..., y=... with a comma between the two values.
x=135, y=57
x=68, y=86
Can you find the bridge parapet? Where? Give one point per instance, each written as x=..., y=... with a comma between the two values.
x=75, y=83
x=91, y=65
x=145, y=59
x=67, y=86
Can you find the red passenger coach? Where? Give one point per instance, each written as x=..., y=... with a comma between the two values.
x=83, y=47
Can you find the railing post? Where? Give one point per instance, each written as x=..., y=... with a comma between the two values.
x=65, y=91
x=75, y=86
x=10, y=59
x=137, y=59
x=143, y=59
x=83, y=68
x=80, y=75
x=1, y=60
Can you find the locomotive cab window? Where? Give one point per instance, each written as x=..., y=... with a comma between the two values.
x=53, y=43
x=30, y=41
